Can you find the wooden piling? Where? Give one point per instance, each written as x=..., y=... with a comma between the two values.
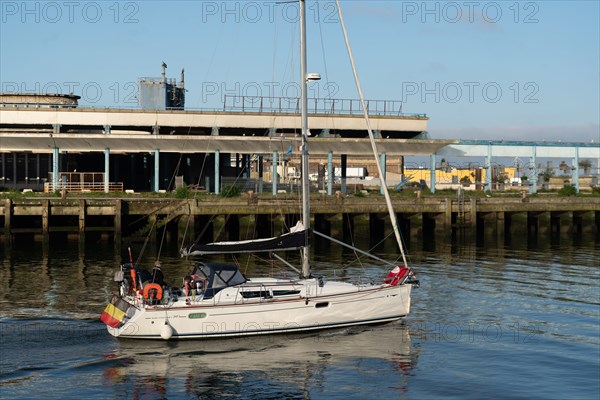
x=117, y=220
x=45, y=217
x=7, y=216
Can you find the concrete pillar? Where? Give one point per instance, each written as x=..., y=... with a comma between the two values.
x=37, y=166
x=217, y=171
x=156, y=170
x=7, y=217
x=488, y=169
x=344, y=163
x=533, y=223
x=500, y=225
x=82, y=206
x=432, y=173
x=26, y=170
x=508, y=224
x=45, y=217
x=260, y=173
x=106, y=129
x=575, y=175
x=383, y=163
x=561, y=222
x=473, y=213
x=401, y=169
x=55, y=160
x=330, y=176
x=106, y=169
x=578, y=222
x=448, y=215
x=274, y=173
x=533, y=169
x=416, y=227
x=14, y=179
x=247, y=167
x=3, y=177
x=214, y=131
x=117, y=221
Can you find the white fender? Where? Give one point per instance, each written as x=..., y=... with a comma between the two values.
x=167, y=331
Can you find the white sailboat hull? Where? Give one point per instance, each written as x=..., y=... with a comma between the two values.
x=232, y=305
x=229, y=313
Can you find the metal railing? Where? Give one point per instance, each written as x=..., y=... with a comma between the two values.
x=82, y=187
x=291, y=105
x=80, y=182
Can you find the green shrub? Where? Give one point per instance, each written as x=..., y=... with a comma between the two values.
x=183, y=192
x=230, y=191
x=567, y=190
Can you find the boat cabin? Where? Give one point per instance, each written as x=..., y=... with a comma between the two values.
x=217, y=276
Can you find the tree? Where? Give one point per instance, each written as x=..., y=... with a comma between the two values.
x=501, y=177
x=444, y=165
x=586, y=165
x=547, y=174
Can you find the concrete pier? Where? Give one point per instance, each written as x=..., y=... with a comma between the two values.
x=216, y=218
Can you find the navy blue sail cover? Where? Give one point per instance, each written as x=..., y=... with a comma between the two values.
x=288, y=241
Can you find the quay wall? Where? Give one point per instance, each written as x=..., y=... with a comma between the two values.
x=118, y=218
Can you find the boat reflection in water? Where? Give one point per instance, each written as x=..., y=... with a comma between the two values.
x=294, y=365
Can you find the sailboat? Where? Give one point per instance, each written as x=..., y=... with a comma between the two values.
x=219, y=301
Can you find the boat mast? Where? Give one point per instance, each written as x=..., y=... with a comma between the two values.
x=304, y=149
x=386, y=193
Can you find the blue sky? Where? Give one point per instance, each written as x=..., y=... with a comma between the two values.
x=479, y=69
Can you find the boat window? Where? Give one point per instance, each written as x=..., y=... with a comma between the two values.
x=220, y=275
x=285, y=292
x=322, y=304
x=256, y=294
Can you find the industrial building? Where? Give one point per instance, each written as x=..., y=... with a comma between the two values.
x=49, y=142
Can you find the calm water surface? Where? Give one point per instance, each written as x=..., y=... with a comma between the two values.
x=516, y=321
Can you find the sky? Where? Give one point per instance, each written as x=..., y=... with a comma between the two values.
x=512, y=70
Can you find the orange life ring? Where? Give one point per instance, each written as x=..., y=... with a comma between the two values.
x=155, y=286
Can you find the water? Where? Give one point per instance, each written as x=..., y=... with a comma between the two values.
x=518, y=321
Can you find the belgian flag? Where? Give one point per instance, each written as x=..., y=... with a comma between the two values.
x=115, y=312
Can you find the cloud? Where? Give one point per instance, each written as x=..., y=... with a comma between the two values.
x=566, y=133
